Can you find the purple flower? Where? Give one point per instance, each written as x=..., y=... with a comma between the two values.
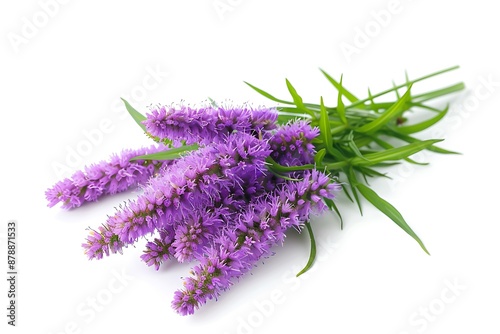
x=106, y=177
x=260, y=227
x=208, y=124
x=292, y=144
x=102, y=242
x=210, y=277
x=209, y=177
x=194, y=233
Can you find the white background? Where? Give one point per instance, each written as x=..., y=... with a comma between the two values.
x=63, y=78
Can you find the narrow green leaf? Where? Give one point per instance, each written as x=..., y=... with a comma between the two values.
x=439, y=92
x=389, y=210
x=385, y=164
x=409, y=139
x=339, y=87
x=320, y=155
x=284, y=177
x=284, y=118
x=265, y=94
x=170, y=154
x=397, y=153
x=351, y=178
x=407, y=80
x=363, y=141
x=365, y=177
x=297, y=99
x=333, y=207
x=346, y=191
x=388, y=146
x=374, y=107
x=294, y=111
x=409, y=129
x=338, y=129
x=352, y=145
x=336, y=166
x=340, y=105
x=395, y=88
x=137, y=116
x=213, y=103
x=370, y=172
x=395, y=110
x=325, y=130
x=312, y=253
x=286, y=169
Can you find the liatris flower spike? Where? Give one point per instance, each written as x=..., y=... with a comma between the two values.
x=223, y=185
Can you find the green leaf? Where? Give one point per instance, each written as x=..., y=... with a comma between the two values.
x=352, y=145
x=336, y=165
x=373, y=105
x=170, y=154
x=284, y=177
x=363, y=141
x=395, y=88
x=286, y=169
x=294, y=111
x=137, y=116
x=344, y=188
x=265, y=94
x=395, y=110
x=312, y=253
x=284, y=119
x=320, y=155
x=297, y=99
x=325, y=130
x=438, y=92
x=351, y=178
x=408, y=129
x=340, y=105
x=342, y=90
x=397, y=153
x=338, y=129
x=410, y=139
x=389, y=210
x=407, y=80
x=370, y=172
x=333, y=207
x=213, y=103
x=286, y=114
x=388, y=146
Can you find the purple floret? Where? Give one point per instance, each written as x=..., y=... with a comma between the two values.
x=292, y=144
x=194, y=233
x=159, y=250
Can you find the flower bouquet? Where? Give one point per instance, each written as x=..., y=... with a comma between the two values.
x=222, y=185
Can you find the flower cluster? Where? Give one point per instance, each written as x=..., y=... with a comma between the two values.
x=260, y=226
x=213, y=178
x=226, y=184
x=218, y=205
